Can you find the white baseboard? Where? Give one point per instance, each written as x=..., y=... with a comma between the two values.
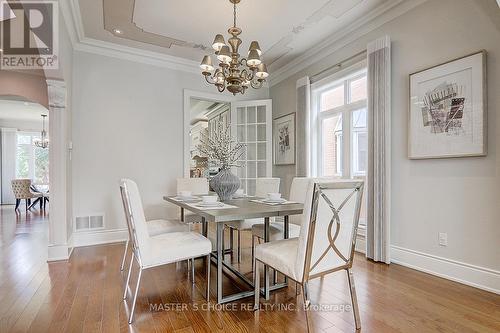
x=58, y=252
x=99, y=237
x=471, y=275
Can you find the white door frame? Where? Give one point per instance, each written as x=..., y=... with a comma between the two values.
x=188, y=94
x=59, y=247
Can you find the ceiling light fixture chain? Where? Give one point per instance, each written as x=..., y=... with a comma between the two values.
x=234, y=74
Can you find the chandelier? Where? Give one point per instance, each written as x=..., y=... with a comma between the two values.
x=233, y=73
x=43, y=141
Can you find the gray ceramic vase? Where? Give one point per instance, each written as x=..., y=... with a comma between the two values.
x=225, y=184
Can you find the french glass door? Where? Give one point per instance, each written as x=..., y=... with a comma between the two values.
x=252, y=125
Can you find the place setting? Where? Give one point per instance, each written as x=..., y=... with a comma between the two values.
x=210, y=202
x=273, y=199
x=187, y=197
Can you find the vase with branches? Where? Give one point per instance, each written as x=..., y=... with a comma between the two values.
x=224, y=152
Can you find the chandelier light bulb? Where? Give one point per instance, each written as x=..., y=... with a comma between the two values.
x=262, y=72
x=218, y=42
x=254, y=45
x=206, y=64
x=253, y=58
x=224, y=54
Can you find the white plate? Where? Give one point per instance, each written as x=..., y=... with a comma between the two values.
x=210, y=204
x=187, y=199
x=274, y=201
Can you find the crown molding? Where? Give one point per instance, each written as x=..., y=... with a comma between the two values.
x=72, y=17
x=337, y=41
x=113, y=50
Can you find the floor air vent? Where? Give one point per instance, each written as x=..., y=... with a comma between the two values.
x=92, y=222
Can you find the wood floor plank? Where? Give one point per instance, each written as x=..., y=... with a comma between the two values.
x=85, y=295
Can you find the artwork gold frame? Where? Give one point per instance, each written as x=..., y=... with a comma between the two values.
x=447, y=114
x=284, y=139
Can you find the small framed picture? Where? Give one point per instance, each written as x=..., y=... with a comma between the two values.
x=447, y=113
x=284, y=139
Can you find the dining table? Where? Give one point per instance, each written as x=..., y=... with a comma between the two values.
x=234, y=210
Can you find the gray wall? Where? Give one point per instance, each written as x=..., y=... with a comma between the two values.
x=128, y=122
x=457, y=196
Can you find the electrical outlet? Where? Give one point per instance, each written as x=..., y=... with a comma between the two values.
x=443, y=239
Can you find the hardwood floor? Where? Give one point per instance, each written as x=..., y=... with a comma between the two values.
x=85, y=295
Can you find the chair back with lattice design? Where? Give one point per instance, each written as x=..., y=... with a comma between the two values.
x=21, y=188
x=328, y=235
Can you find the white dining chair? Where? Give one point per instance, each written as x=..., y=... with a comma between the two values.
x=298, y=190
x=155, y=227
x=263, y=186
x=197, y=186
x=326, y=243
x=153, y=251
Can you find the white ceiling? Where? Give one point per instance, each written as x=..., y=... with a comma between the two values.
x=13, y=109
x=185, y=28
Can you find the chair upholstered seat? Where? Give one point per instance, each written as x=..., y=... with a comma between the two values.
x=174, y=246
x=276, y=231
x=244, y=224
x=281, y=255
x=157, y=227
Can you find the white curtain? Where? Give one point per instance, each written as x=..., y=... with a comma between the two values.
x=303, y=156
x=379, y=150
x=9, y=144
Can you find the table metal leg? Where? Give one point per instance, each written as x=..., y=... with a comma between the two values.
x=266, y=267
x=220, y=234
x=286, y=234
x=182, y=214
x=204, y=227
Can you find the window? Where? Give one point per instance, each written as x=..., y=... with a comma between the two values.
x=339, y=126
x=31, y=162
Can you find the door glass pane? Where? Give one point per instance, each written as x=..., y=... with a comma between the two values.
x=241, y=115
x=41, y=166
x=261, y=132
x=241, y=133
x=261, y=151
x=251, y=115
x=358, y=89
x=332, y=146
x=261, y=169
x=252, y=133
x=252, y=151
x=251, y=170
x=332, y=98
x=261, y=114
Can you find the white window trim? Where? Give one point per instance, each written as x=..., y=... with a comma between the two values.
x=317, y=88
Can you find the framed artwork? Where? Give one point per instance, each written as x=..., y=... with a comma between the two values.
x=284, y=139
x=447, y=112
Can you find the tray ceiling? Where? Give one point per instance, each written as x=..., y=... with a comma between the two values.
x=185, y=28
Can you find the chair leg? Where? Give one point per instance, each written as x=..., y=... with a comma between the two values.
x=124, y=257
x=253, y=247
x=354, y=299
x=131, y=318
x=208, y=278
x=305, y=294
x=239, y=245
x=18, y=201
x=307, y=302
x=256, y=283
x=128, y=276
x=26, y=202
x=192, y=270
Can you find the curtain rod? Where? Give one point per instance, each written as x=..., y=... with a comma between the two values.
x=337, y=65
